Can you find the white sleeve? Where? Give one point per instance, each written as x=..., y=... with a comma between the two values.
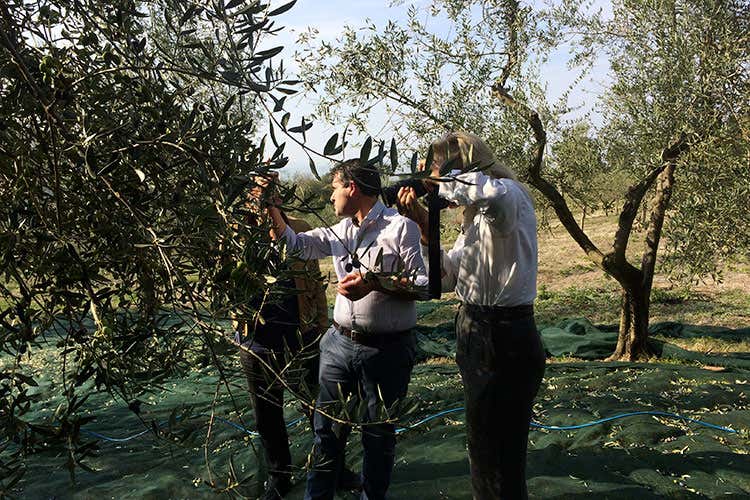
x=450, y=263
x=410, y=253
x=494, y=198
x=313, y=244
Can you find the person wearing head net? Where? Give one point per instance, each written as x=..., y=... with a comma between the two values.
x=492, y=267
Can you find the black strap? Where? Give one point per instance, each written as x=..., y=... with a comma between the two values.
x=433, y=243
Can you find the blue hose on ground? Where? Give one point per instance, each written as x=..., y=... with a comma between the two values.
x=399, y=430
x=115, y=440
x=537, y=425
x=291, y=423
x=674, y=416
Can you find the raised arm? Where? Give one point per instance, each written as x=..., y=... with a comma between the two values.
x=313, y=244
x=495, y=199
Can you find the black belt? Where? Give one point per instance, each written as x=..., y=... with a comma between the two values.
x=369, y=339
x=500, y=313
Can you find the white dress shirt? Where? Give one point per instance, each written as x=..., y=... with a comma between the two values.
x=494, y=261
x=382, y=229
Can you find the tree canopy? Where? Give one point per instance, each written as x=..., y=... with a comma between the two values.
x=127, y=144
x=673, y=116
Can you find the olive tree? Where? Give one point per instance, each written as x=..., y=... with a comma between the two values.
x=674, y=116
x=579, y=169
x=127, y=142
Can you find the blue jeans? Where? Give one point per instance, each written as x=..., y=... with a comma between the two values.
x=352, y=376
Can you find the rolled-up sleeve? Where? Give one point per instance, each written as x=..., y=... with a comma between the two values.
x=313, y=244
x=493, y=197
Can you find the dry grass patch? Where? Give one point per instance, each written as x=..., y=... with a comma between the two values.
x=440, y=360
x=571, y=285
x=707, y=345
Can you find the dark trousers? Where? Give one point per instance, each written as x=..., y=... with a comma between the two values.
x=267, y=396
x=354, y=376
x=501, y=359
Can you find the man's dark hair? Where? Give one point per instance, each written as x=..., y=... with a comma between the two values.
x=367, y=178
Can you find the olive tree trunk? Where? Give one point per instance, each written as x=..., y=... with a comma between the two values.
x=632, y=342
x=636, y=283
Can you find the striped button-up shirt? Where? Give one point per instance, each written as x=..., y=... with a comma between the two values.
x=382, y=230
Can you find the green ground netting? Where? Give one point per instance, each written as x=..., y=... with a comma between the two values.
x=643, y=456
x=578, y=338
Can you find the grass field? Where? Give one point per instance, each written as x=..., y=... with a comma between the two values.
x=572, y=283
x=644, y=456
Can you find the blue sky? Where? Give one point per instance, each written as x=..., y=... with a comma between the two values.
x=329, y=16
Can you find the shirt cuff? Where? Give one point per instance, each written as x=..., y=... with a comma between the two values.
x=453, y=190
x=421, y=280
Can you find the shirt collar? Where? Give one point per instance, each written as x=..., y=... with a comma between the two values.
x=375, y=212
